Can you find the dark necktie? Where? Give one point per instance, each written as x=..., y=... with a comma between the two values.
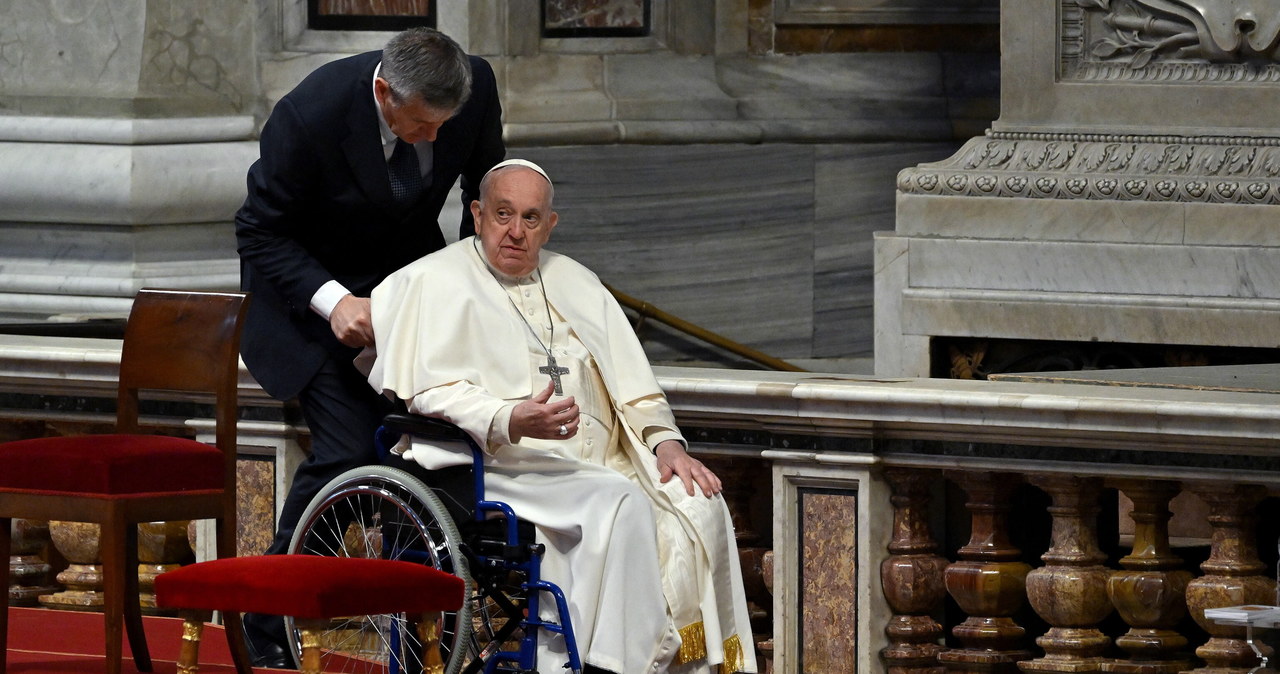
x=406, y=178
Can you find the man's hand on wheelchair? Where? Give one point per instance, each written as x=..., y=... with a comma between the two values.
x=673, y=460
x=351, y=321
x=536, y=418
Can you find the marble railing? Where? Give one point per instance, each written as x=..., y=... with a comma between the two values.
x=906, y=525
x=924, y=525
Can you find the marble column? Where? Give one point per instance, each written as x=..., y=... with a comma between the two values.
x=127, y=131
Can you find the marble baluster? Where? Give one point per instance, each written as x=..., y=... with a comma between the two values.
x=78, y=543
x=162, y=546
x=1150, y=590
x=1070, y=590
x=912, y=577
x=988, y=581
x=28, y=570
x=1233, y=574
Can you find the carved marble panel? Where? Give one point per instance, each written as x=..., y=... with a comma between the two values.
x=1171, y=40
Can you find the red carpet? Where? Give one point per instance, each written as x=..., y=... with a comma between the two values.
x=42, y=641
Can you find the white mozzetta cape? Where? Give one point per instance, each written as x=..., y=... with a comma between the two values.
x=439, y=318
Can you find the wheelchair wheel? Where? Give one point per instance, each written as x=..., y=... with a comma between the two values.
x=381, y=512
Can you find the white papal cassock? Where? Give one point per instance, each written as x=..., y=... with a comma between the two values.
x=651, y=574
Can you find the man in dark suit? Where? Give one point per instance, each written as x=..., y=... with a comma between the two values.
x=355, y=165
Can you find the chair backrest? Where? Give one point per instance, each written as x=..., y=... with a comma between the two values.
x=184, y=341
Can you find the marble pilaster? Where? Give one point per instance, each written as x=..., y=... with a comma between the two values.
x=1099, y=207
x=125, y=131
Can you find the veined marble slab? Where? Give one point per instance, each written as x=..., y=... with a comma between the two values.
x=854, y=197
x=1089, y=317
x=1099, y=267
x=696, y=233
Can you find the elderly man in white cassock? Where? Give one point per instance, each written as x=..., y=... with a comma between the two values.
x=527, y=352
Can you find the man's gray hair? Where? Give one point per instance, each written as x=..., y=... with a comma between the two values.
x=427, y=66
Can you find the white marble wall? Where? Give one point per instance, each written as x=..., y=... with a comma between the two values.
x=768, y=245
x=758, y=178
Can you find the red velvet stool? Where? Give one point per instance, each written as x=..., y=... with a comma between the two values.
x=312, y=589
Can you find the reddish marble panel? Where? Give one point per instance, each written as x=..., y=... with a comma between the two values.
x=593, y=13
x=255, y=504
x=374, y=7
x=828, y=579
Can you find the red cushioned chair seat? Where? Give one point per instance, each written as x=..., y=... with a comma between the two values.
x=110, y=465
x=309, y=586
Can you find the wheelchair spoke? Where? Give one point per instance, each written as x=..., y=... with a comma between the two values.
x=384, y=513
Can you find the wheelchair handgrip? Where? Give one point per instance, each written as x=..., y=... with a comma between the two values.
x=429, y=428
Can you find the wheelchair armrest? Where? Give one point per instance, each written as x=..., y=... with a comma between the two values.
x=425, y=427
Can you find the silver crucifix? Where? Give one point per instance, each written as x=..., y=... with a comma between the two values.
x=554, y=371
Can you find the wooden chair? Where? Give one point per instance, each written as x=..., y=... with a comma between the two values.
x=174, y=341
x=312, y=589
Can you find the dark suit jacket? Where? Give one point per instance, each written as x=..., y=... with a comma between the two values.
x=320, y=207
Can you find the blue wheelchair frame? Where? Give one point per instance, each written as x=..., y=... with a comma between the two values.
x=525, y=558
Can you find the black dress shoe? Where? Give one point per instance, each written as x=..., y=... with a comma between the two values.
x=271, y=656
x=266, y=652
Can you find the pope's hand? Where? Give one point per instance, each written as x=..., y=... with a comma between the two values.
x=351, y=321
x=673, y=461
x=536, y=418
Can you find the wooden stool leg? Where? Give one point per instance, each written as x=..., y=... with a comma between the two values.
x=309, y=632
x=234, y=625
x=192, y=628
x=4, y=608
x=429, y=636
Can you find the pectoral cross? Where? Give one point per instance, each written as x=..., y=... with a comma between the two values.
x=554, y=371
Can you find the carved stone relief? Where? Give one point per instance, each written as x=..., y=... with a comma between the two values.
x=1171, y=40
x=1133, y=168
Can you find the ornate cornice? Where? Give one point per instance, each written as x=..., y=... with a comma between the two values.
x=1124, y=168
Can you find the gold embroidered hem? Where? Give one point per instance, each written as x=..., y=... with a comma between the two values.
x=734, y=661
x=693, y=646
x=693, y=643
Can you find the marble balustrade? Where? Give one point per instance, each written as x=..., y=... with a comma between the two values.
x=901, y=525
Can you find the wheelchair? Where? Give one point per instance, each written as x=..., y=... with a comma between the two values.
x=440, y=518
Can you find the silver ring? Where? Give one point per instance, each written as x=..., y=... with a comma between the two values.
x=563, y=430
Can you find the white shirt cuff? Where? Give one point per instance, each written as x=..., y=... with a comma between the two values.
x=656, y=435
x=500, y=428
x=327, y=297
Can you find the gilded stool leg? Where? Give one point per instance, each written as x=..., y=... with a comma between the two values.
x=309, y=632
x=192, y=629
x=429, y=636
